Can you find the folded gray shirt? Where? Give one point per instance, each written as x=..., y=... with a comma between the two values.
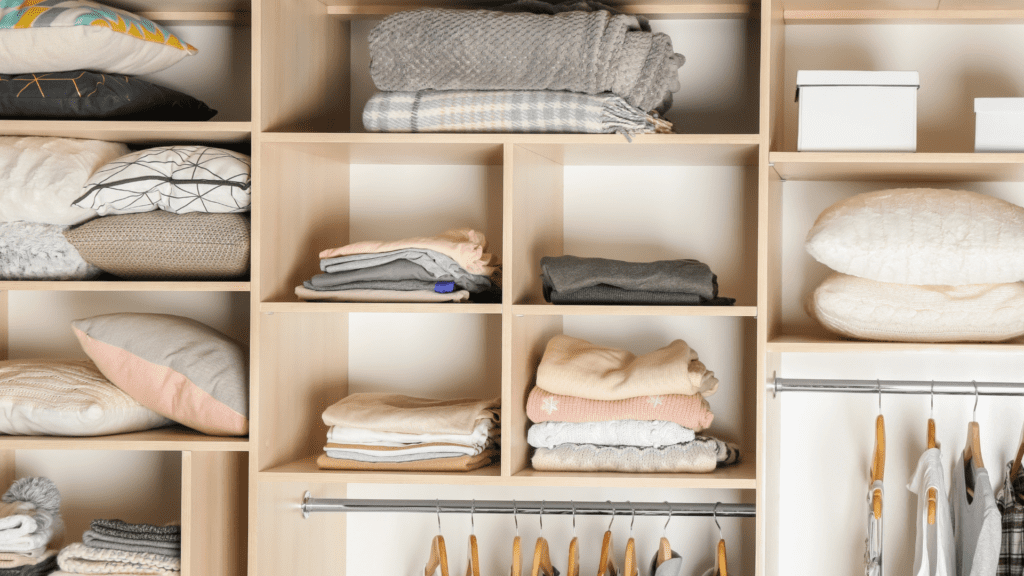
x=412, y=264
x=689, y=281
x=401, y=285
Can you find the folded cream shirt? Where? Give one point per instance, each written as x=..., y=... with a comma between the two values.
x=485, y=430
x=574, y=367
x=408, y=415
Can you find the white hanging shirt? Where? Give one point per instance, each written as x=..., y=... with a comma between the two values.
x=977, y=525
x=934, y=548
x=873, y=557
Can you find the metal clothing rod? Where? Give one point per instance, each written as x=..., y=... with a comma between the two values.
x=897, y=387
x=552, y=507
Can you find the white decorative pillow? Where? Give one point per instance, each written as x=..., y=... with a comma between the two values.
x=922, y=236
x=177, y=179
x=870, y=310
x=67, y=398
x=41, y=177
x=66, y=35
x=31, y=251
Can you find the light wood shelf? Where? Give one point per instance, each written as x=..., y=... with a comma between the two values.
x=132, y=132
x=368, y=307
x=567, y=310
x=172, y=439
x=124, y=286
x=912, y=167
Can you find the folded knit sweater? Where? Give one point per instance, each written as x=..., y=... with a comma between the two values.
x=574, y=367
x=642, y=433
x=690, y=412
x=81, y=559
x=568, y=273
x=699, y=456
x=408, y=415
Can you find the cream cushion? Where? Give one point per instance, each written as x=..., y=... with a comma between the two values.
x=922, y=236
x=861, y=308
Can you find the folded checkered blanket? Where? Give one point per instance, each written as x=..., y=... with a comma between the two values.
x=507, y=111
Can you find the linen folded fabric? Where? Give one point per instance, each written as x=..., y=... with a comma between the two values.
x=424, y=265
x=699, y=456
x=45, y=564
x=391, y=451
x=455, y=464
x=463, y=245
x=643, y=433
x=484, y=431
x=408, y=415
x=574, y=367
x=579, y=51
x=380, y=295
x=691, y=412
x=565, y=275
x=81, y=559
x=524, y=111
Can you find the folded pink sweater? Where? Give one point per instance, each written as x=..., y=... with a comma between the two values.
x=691, y=412
x=464, y=245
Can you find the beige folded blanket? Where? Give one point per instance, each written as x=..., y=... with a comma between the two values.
x=408, y=415
x=458, y=464
x=574, y=367
x=464, y=245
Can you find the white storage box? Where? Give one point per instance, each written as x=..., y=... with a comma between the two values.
x=999, y=125
x=851, y=111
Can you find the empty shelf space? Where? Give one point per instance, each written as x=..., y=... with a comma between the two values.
x=818, y=344
x=914, y=167
x=132, y=132
x=173, y=439
x=124, y=286
x=381, y=307
x=564, y=310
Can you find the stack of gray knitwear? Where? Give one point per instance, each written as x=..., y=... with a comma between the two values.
x=117, y=547
x=575, y=280
x=578, y=67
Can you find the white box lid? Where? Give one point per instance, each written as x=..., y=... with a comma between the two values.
x=999, y=104
x=909, y=78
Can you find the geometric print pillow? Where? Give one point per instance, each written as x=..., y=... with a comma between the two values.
x=179, y=179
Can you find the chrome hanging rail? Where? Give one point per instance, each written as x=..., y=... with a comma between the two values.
x=896, y=387
x=550, y=507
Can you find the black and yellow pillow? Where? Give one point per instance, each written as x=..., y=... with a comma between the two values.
x=83, y=95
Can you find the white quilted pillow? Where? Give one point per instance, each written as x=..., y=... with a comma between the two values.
x=179, y=179
x=922, y=236
x=67, y=398
x=870, y=310
x=41, y=177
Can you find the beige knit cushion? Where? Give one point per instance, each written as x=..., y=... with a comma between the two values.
x=163, y=245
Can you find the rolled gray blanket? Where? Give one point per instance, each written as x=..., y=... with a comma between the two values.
x=524, y=111
x=587, y=52
x=122, y=529
x=575, y=280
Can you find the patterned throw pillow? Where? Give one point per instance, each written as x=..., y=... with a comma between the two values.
x=90, y=96
x=177, y=179
x=39, y=36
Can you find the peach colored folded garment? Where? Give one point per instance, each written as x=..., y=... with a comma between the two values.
x=691, y=412
x=574, y=367
x=464, y=245
x=416, y=296
x=408, y=415
x=459, y=464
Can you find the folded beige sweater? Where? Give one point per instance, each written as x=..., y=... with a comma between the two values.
x=464, y=245
x=407, y=415
x=574, y=367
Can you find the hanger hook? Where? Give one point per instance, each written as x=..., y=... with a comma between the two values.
x=715, y=512
x=573, y=518
x=515, y=516
x=613, y=514
x=472, y=517
x=632, y=517
x=974, y=415
x=438, y=502
x=665, y=529
x=541, y=516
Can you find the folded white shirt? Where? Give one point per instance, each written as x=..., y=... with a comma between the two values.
x=459, y=450
x=641, y=433
x=484, y=431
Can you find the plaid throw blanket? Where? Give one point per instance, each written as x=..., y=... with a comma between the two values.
x=507, y=111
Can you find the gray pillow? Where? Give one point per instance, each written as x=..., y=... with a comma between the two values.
x=33, y=251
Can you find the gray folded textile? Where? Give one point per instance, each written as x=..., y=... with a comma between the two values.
x=403, y=285
x=106, y=542
x=401, y=270
x=571, y=279
x=46, y=566
x=431, y=261
x=122, y=529
x=578, y=51
x=524, y=111
x=360, y=457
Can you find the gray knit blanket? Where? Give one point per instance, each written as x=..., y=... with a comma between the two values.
x=523, y=111
x=145, y=532
x=578, y=51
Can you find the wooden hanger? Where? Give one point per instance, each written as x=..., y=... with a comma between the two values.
x=606, y=565
x=933, y=494
x=629, y=567
x=878, y=458
x=573, y=568
x=517, y=545
x=972, y=451
x=473, y=562
x=542, y=552
x=664, y=548
x=721, y=562
x=438, y=553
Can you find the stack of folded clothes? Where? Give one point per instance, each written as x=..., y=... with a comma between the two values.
x=117, y=547
x=29, y=520
x=575, y=280
x=588, y=69
x=599, y=409
x=443, y=268
x=395, y=432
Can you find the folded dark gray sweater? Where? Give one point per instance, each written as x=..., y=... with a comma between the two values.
x=122, y=529
x=575, y=280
